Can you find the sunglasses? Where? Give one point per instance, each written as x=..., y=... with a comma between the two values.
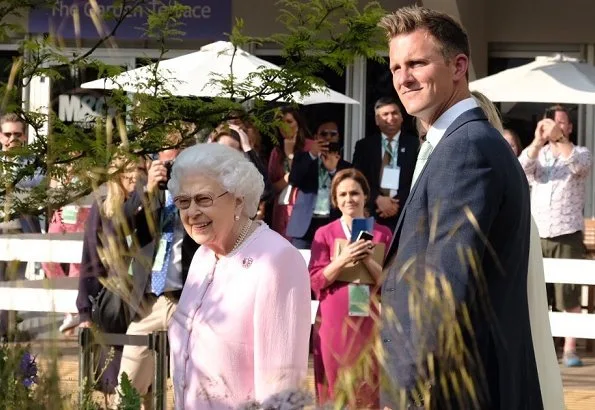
x=12, y=134
x=328, y=133
x=202, y=201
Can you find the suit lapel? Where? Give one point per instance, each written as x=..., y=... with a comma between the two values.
x=404, y=148
x=476, y=114
x=376, y=154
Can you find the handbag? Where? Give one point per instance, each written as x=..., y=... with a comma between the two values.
x=110, y=312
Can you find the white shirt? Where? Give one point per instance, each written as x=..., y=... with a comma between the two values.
x=173, y=280
x=437, y=130
x=558, y=188
x=394, y=144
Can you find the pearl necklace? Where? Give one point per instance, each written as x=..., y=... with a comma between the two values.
x=242, y=235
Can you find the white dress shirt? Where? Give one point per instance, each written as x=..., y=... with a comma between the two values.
x=394, y=145
x=437, y=130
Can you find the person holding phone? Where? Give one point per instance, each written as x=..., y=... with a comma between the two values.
x=557, y=171
x=346, y=326
x=311, y=173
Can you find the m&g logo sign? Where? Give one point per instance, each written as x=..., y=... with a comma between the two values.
x=82, y=109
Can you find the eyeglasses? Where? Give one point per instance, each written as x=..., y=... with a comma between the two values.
x=329, y=133
x=202, y=201
x=12, y=134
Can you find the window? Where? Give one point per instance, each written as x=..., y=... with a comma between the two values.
x=74, y=104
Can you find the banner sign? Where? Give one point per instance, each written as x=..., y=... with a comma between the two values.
x=204, y=19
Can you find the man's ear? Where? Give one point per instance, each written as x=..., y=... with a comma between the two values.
x=460, y=67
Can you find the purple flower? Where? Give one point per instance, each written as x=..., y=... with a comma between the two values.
x=28, y=369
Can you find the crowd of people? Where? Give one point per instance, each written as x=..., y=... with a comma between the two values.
x=206, y=241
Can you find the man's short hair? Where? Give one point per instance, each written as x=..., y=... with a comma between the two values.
x=326, y=120
x=384, y=101
x=451, y=36
x=11, y=117
x=560, y=107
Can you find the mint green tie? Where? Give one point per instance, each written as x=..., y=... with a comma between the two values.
x=422, y=158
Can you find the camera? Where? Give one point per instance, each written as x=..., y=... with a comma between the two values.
x=163, y=184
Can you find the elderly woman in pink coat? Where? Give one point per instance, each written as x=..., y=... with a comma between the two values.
x=241, y=329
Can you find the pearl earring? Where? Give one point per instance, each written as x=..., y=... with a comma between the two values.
x=236, y=217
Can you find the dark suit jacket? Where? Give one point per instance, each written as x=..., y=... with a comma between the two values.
x=304, y=176
x=148, y=239
x=92, y=268
x=470, y=203
x=367, y=158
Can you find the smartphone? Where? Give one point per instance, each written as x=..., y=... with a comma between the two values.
x=361, y=224
x=334, y=147
x=365, y=235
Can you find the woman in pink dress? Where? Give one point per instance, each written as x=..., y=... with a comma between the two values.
x=341, y=339
x=293, y=137
x=241, y=328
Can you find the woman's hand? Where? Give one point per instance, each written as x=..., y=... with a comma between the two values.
x=356, y=251
x=369, y=252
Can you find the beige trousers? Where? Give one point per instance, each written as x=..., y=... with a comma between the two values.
x=137, y=361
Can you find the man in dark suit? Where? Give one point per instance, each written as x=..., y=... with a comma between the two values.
x=312, y=173
x=387, y=160
x=159, y=270
x=455, y=327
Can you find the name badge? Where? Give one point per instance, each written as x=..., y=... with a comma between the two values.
x=359, y=300
x=390, y=178
x=69, y=214
x=160, y=256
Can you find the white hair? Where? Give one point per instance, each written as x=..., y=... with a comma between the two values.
x=226, y=165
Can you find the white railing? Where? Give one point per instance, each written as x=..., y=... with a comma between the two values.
x=60, y=295
x=578, y=272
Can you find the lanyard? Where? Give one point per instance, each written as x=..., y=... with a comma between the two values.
x=324, y=179
x=388, y=147
x=346, y=229
x=550, y=161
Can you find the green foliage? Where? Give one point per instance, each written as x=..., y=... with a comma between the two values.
x=26, y=387
x=129, y=398
x=23, y=385
x=16, y=393
x=320, y=34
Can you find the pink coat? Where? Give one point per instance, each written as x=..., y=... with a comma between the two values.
x=241, y=329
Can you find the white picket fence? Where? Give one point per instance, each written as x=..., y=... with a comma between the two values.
x=37, y=296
